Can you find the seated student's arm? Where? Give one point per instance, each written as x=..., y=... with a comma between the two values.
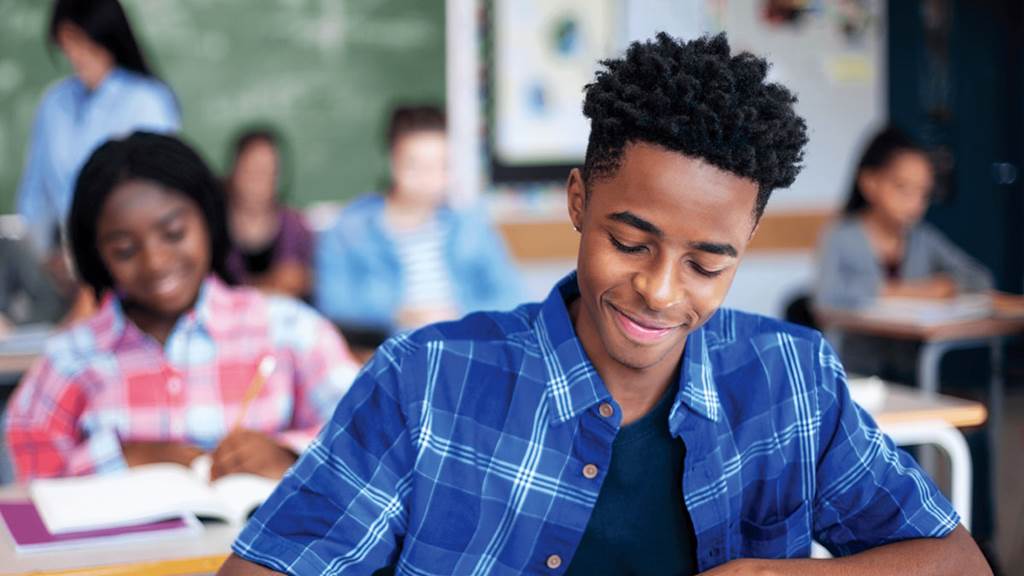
x=291, y=278
x=939, y=286
x=948, y=259
x=847, y=274
x=955, y=554
x=342, y=288
x=343, y=508
x=43, y=432
x=235, y=565
x=291, y=273
x=493, y=274
x=324, y=369
x=874, y=508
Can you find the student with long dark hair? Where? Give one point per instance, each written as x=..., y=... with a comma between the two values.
x=162, y=371
x=881, y=246
x=112, y=92
x=273, y=246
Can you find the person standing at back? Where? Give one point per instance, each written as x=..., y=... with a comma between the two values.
x=112, y=92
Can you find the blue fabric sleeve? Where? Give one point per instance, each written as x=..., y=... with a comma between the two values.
x=343, y=507
x=869, y=492
x=34, y=200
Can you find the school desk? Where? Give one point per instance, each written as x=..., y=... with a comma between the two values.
x=20, y=348
x=938, y=339
x=908, y=415
x=201, y=553
x=913, y=417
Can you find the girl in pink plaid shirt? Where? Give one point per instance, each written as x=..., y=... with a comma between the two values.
x=161, y=371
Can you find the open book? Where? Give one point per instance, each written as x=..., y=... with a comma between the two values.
x=147, y=494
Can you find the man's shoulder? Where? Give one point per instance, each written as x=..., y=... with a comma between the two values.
x=736, y=327
x=492, y=337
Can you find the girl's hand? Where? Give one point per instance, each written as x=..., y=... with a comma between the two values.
x=251, y=452
x=139, y=453
x=936, y=287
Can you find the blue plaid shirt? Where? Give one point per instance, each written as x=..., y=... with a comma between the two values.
x=460, y=450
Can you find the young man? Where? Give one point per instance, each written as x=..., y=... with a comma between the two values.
x=626, y=424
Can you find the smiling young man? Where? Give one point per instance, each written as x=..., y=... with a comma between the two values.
x=626, y=425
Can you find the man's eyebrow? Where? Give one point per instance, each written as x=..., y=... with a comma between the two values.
x=719, y=248
x=637, y=222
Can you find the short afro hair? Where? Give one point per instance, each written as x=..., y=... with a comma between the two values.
x=697, y=99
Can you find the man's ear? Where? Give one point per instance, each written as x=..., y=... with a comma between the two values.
x=753, y=230
x=576, y=193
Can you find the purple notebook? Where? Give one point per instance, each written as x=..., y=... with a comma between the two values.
x=29, y=533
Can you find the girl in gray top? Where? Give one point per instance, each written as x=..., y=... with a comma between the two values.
x=881, y=247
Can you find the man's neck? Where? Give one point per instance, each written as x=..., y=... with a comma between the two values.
x=636, y=390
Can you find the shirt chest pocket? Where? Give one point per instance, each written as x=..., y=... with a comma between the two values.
x=788, y=536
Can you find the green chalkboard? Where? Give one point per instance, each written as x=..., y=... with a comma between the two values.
x=324, y=71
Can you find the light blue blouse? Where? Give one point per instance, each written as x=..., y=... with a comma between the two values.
x=70, y=123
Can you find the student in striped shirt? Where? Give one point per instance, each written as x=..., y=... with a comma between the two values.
x=407, y=258
x=161, y=372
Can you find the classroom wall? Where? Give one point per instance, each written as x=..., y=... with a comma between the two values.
x=325, y=71
x=840, y=81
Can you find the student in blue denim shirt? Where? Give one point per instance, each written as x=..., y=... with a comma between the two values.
x=406, y=259
x=627, y=424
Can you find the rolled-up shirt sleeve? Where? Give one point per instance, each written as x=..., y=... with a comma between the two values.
x=869, y=492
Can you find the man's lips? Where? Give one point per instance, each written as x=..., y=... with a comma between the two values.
x=644, y=331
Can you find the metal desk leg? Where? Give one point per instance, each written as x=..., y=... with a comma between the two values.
x=995, y=414
x=928, y=362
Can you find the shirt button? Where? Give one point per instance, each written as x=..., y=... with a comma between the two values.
x=606, y=410
x=590, y=471
x=554, y=561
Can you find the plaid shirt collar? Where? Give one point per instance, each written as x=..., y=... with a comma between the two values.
x=211, y=313
x=575, y=386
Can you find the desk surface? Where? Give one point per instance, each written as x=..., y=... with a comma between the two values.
x=16, y=364
x=959, y=330
x=205, y=552
x=902, y=404
x=196, y=554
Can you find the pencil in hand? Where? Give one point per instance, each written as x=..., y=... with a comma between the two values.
x=266, y=367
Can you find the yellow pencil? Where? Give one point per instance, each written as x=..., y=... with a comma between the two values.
x=266, y=367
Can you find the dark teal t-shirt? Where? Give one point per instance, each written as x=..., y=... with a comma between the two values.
x=640, y=525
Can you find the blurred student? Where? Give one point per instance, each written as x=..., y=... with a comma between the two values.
x=881, y=246
x=160, y=372
x=273, y=247
x=406, y=258
x=31, y=292
x=112, y=92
